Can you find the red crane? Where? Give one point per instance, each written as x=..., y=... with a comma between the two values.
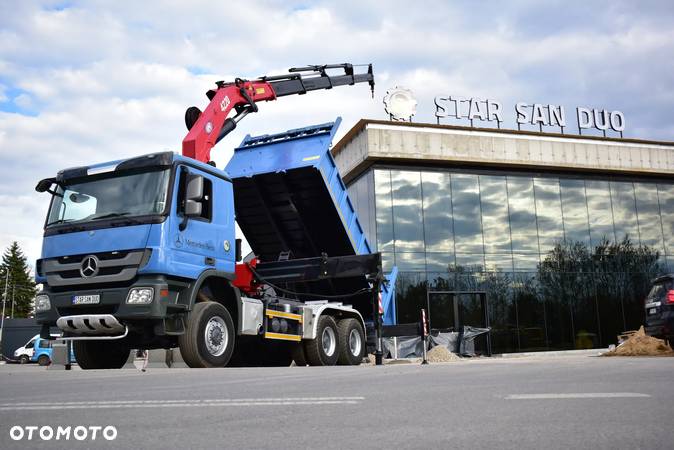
x=207, y=128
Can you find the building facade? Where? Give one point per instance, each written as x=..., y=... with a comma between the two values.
x=563, y=233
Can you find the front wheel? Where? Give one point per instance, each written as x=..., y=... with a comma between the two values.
x=103, y=354
x=24, y=359
x=208, y=340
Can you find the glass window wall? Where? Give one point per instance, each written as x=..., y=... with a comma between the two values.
x=529, y=242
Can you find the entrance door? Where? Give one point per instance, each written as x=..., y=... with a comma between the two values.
x=442, y=311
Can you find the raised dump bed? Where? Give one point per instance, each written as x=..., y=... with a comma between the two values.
x=290, y=200
x=289, y=196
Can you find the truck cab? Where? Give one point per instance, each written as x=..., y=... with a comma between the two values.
x=124, y=243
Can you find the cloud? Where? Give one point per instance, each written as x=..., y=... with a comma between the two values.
x=95, y=81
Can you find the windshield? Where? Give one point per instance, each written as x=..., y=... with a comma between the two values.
x=125, y=195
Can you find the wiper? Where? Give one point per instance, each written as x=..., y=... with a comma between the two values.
x=70, y=229
x=110, y=215
x=126, y=221
x=59, y=221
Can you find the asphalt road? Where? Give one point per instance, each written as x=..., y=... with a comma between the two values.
x=539, y=402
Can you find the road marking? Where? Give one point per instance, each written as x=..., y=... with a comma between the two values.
x=575, y=395
x=181, y=403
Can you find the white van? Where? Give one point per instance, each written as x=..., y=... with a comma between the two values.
x=25, y=352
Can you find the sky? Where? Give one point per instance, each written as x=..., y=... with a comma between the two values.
x=90, y=81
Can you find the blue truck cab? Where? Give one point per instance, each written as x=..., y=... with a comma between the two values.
x=141, y=253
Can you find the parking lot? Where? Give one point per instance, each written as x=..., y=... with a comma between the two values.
x=527, y=402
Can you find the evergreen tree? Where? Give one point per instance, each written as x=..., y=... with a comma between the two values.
x=20, y=284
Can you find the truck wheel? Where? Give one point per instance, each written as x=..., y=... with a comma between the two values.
x=24, y=359
x=43, y=360
x=208, y=340
x=324, y=349
x=109, y=354
x=297, y=353
x=352, y=342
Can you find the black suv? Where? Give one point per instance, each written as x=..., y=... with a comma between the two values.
x=660, y=308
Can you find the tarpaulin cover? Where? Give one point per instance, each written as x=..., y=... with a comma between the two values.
x=408, y=347
x=462, y=343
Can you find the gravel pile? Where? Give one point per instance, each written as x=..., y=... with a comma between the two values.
x=440, y=353
x=639, y=344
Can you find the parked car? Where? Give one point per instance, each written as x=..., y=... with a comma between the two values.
x=659, y=306
x=25, y=352
x=37, y=350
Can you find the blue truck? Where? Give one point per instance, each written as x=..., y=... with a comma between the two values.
x=141, y=253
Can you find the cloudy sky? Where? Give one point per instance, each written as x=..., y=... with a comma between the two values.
x=84, y=82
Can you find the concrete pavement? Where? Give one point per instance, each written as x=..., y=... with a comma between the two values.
x=538, y=402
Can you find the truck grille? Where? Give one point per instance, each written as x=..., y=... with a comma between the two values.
x=108, y=267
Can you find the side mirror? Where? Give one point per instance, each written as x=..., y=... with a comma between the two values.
x=195, y=188
x=79, y=198
x=192, y=208
x=44, y=185
x=194, y=194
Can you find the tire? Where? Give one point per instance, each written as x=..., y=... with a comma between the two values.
x=212, y=319
x=351, y=342
x=109, y=354
x=43, y=360
x=24, y=359
x=324, y=349
x=298, y=355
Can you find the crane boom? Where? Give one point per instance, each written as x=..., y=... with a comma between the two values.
x=207, y=128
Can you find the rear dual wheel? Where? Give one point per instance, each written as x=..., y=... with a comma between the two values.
x=352, y=342
x=323, y=350
x=340, y=342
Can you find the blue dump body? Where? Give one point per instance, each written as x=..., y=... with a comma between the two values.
x=290, y=197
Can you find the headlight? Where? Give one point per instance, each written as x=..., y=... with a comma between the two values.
x=42, y=303
x=140, y=296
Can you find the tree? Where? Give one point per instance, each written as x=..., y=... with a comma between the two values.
x=20, y=284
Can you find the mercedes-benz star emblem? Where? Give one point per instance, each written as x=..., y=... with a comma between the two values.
x=89, y=267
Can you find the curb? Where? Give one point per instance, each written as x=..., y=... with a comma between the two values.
x=558, y=353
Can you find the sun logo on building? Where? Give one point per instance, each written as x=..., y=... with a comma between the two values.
x=400, y=104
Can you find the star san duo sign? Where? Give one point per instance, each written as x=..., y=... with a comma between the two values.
x=536, y=114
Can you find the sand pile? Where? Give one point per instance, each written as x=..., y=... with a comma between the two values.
x=440, y=353
x=639, y=344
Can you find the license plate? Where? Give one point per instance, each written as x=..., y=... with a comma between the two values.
x=652, y=311
x=86, y=299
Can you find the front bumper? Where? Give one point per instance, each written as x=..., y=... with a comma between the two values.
x=112, y=301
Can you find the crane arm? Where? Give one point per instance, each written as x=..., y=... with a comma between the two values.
x=207, y=128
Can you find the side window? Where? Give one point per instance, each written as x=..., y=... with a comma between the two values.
x=31, y=344
x=44, y=343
